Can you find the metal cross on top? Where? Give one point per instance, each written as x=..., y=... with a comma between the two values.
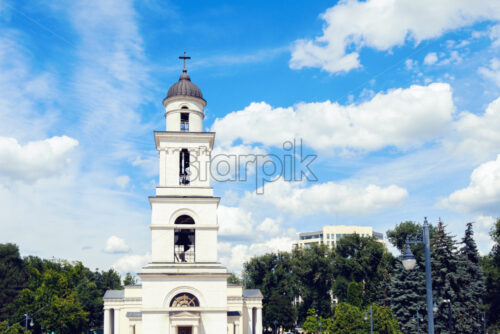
x=184, y=58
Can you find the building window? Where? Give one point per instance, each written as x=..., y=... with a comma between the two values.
x=184, y=240
x=184, y=167
x=184, y=121
x=184, y=219
x=254, y=320
x=184, y=300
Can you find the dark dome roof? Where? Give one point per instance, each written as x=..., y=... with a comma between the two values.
x=184, y=87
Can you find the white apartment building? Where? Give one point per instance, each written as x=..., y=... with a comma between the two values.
x=330, y=235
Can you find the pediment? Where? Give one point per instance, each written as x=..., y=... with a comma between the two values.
x=184, y=315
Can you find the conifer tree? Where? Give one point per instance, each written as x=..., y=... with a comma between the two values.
x=491, y=268
x=472, y=286
x=446, y=280
x=408, y=296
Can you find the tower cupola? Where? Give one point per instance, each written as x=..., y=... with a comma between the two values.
x=184, y=104
x=184, y=87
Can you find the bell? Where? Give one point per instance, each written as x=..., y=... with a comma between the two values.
x=183, y=239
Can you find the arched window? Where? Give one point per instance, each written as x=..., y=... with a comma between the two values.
x=184, y=121
x=184, y=107
x=184, y=219
x=184, y=300
x=184, y=240
x=184, y=167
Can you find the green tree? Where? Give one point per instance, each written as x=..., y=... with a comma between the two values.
x=408, y=296
x=348, y=319
x=272, y=275
x=358, y=259
x=234, y=279
x=383, y=296
x=310, y=324
x=383, y=320
x=472, y=286
x=129, y=280
x=56, y=306
x=355, y=294
x=313, y=268
x=12, y=329
x=282, y=311
x=491, y=267
x=397, y=236
x=13, y=278
x=79, y=289
x=447, y=279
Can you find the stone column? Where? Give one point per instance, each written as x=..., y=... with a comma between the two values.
x=172, y=329
x=258, y=321
x=249, y=320
x=117, y=322
x=195, y=329
x=107, y=324
x=163, y=167
x=236, y=327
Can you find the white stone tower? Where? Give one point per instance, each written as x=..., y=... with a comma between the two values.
x=184, y=270
x=184, y=289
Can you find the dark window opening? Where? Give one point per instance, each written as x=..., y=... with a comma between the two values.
x=184, y=122
x=184, y=167
x=184, y=246
x=254, y=320
x=184, y=107
x=184, y=300
x=184, y=219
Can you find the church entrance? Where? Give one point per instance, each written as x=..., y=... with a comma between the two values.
x=185, y=330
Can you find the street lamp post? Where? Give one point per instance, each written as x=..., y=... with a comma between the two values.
x=371, y=318
x=418, y=317
x=450, y=321
x=26, y=319
x=409, y=263
x=484, y=322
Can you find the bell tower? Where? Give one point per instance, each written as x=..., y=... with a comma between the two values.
x=184, y=223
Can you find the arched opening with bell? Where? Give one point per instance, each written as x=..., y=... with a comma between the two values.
x=184, y=240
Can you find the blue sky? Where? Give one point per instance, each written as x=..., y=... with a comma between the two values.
x=398, y=100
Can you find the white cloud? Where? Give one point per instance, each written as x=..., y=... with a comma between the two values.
x=106, y=81
x=122, y=181
x=492, y=72
x=483, y=193
x=400, y=117
x=235, y=222
x=329, y=197
x=36, y=159
x=482, y=229
x=115, y=245
x=228, y=161
x=149, y=164
x=243, y=237
x=234, y=256
x=270, y=227
x=430, y=58
x=27, y=96
x=410, y=64
x=383, y=24
x=479, y=135
x=131, y=263
x=495, y=35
